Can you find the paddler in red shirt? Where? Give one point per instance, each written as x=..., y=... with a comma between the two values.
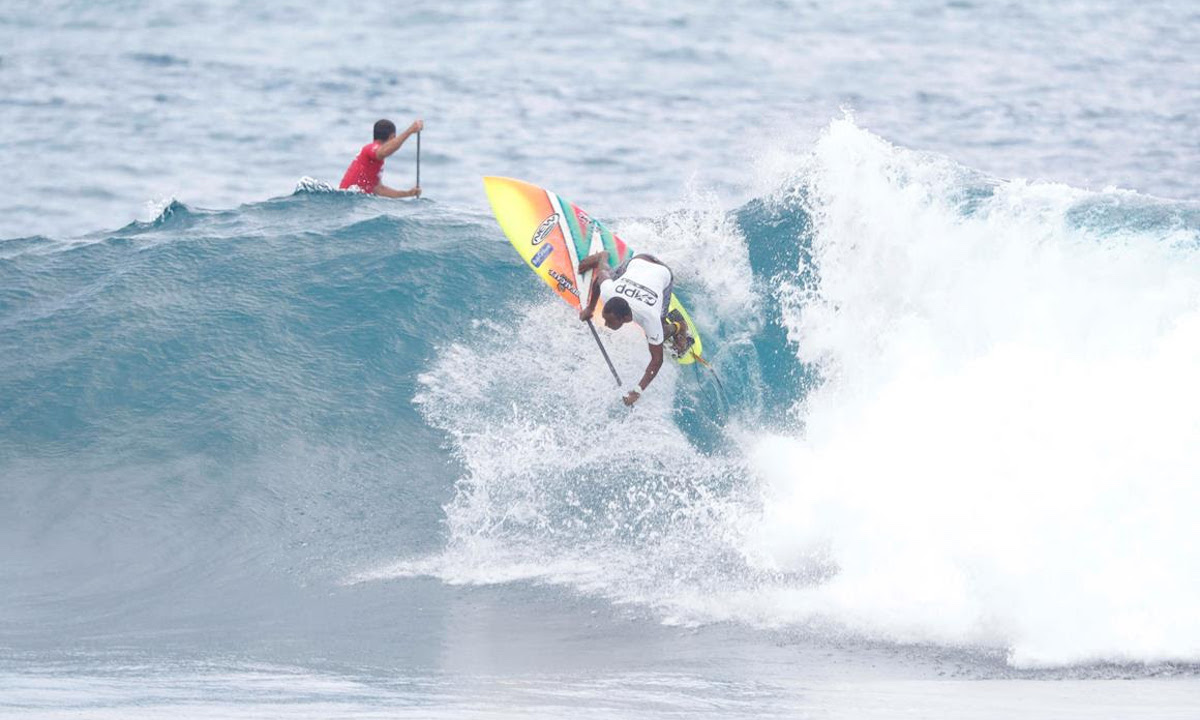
x=364, y=172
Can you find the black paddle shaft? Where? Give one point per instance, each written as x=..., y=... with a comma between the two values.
x=604, y=352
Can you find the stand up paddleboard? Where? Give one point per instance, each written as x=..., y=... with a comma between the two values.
x=552, y=235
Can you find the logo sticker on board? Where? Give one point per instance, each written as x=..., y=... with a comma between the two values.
x=544, y=229
x=540, y=256
x=564, y=283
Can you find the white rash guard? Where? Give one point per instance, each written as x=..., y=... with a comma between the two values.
x=642, y=285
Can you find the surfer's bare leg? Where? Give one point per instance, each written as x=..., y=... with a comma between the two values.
x=675, y=330
x=677, y=335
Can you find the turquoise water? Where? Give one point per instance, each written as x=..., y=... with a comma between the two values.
x=268, y=449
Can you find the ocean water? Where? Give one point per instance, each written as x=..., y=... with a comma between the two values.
x=269, y=449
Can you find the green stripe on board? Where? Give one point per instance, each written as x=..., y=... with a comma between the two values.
x=610, y=245
x=581, y=246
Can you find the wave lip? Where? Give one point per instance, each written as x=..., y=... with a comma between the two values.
x=1002, y=450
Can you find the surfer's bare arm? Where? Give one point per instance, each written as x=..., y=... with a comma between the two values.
x=599, y=276
x=599, y=263
x=385, y=191
x=390, y=146
x=593, y=261
x=652, y=368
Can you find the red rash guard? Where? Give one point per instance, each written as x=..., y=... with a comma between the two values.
x=365, y=170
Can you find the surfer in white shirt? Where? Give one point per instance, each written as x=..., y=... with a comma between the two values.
x=639, y=290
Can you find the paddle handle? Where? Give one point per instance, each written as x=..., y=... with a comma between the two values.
x=418, y=158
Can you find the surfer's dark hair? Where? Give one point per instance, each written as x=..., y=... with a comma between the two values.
x=384, y=129
x=617, y=306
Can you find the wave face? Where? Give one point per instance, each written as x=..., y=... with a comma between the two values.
x=955, y=411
